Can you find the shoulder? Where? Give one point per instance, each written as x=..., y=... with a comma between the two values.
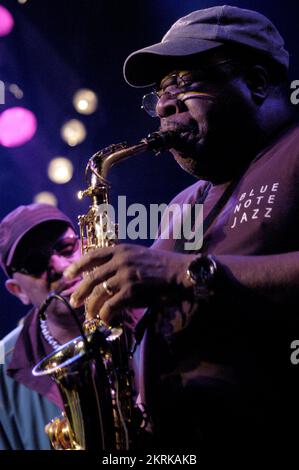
x=192, y=194
x=8, y=343
x=286, y=144
x=290, y=138
x=23, y=411
x=279, y=160
x=283, y=157
x=7, y=384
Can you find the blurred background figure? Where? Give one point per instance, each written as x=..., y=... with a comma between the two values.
x=37, y=242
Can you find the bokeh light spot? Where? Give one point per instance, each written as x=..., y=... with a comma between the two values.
x=85, y=101
x=60, y=170
x=17, y=126
x=73, y=132
x=6, y=21
x=46, y=197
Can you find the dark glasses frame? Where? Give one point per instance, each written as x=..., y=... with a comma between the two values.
x=37, y=261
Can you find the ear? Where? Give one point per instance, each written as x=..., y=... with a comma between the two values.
x=15, y=289
x=258, y=82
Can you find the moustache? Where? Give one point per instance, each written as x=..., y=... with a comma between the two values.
x=185, y=136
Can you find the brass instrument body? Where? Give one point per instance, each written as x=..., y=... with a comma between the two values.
x=91, y=413
x=95, y=382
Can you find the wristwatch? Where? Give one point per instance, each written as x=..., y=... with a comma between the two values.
x=202, y=273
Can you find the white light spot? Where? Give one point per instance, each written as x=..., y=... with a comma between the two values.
x=16, y=91
x=60, y=170
x=73, y=132
x=85, y=101
x=45, y=197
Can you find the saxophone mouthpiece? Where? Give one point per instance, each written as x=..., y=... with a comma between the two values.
x=159, y=141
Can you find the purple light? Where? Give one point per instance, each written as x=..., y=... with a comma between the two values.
x=6, y=21
x=17, y=126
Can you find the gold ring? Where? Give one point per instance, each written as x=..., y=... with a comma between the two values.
x=107, y=289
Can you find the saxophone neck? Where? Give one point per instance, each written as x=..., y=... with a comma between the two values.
x=101, y=162
x=96, y=226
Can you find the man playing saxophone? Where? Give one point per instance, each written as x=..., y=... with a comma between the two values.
x=216, y=372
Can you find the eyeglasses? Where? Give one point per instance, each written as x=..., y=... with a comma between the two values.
x=187, y=84
x=36, y=261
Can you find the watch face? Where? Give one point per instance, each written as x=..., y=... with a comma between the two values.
x=202, y=270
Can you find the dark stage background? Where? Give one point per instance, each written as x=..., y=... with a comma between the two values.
x=59, y=46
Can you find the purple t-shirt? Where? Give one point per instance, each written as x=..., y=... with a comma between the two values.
x=31, y=348
x=228, y=361
x=259, y=216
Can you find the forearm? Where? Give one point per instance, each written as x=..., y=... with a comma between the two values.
x=275, y=277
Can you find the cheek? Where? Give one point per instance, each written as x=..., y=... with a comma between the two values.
x=38, y=291
x=200, y=112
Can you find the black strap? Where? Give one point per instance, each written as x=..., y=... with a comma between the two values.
x=214, y=212
x=210, y=218
x=208, y=221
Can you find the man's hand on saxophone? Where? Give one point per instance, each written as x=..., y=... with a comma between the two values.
x=128, y=275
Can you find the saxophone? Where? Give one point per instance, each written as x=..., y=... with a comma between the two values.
x=92, y=371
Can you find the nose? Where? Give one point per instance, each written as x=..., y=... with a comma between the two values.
x=169, y=104
x=59, y=263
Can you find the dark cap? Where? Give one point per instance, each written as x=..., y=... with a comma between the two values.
x=201, y=31
x=18, y=222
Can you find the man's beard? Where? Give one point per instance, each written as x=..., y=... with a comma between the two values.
x=218, y=149
x=185, y=138
x=188, y=144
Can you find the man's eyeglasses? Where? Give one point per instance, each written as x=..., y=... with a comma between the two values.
x=188, y=85
x=36, y=261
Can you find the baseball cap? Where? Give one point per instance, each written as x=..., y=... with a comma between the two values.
x=19, y=222
x=204, y=30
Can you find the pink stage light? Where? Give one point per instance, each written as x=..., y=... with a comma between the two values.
x=17, y=126
x=6, y=21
